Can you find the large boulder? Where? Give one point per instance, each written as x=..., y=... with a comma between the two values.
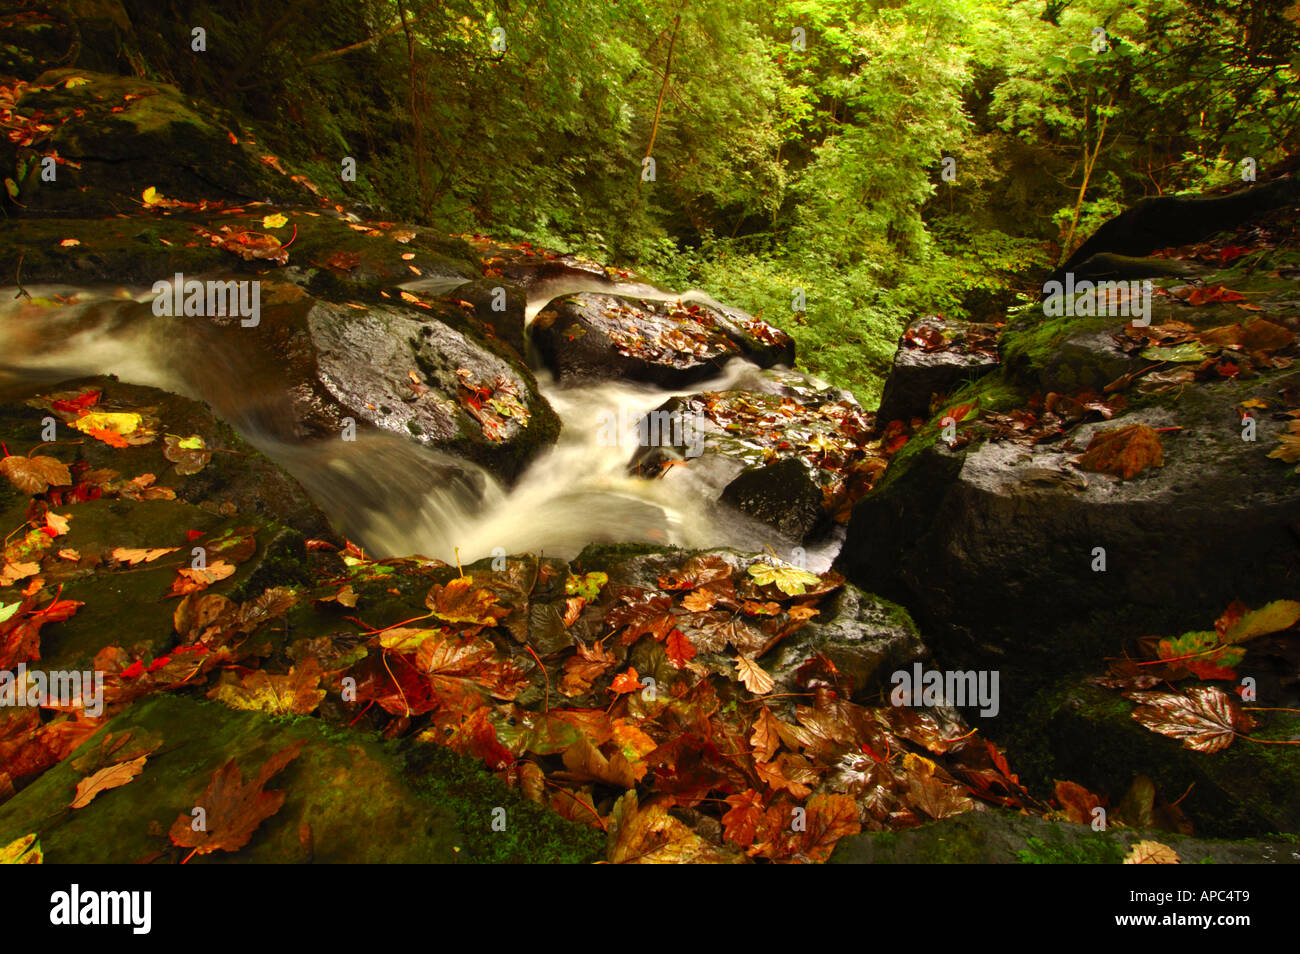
x=115, y=137
x=935, y=356
x=1014, y=555
x=587, y=337
x=348, y=798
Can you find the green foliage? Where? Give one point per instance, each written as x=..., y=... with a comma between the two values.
x=779, y=164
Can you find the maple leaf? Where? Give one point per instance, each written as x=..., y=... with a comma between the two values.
x=132, y=556
x=191, y=580
x=1076, y=801
x=789, y=771
x=1203, y=654
x=344, y=261
x=1272, y=618
x=1124, y=452
x=642, y=612
x=460, y=602
x=829, y=818
x=109, y=426
x=790, y=580
x=1206, y=719
x=626, y=682
x=294, y=693
x=697, y=571
x=585, y=762
x=1151, y=853
x=1288, y=448
x=680, y=650
x=233, y=810
x=274, y=221
x=35, y=475
x=450, y=658
x=585, y=667
x=586, y=586
x=109, y=777
x=740, y=823
x=756, y=680
x=477, y=738
x=650, y=835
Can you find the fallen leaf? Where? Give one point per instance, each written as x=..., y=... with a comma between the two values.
x=35, y=475
x=752, y=675
x=1151, y=853
x=1124, y=452
x=112, y=776
x=232, y=808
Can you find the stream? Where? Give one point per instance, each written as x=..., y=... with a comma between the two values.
x=388, y=493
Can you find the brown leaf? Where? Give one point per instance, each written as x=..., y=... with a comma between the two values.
x=113, y=776
x=756, y=680
x=1124, y=452
x=232, y=808
x=35, y=475
x=190, y=580
x=1205, y=719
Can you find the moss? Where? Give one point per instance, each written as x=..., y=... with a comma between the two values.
x=1096, y=851
x=1084, y=733
x=532, y=834
x=349, y=793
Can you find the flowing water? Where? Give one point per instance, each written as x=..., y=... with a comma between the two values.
x=390, y=494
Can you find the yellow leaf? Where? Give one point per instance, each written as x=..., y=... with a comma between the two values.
x=120, y=422
x=274, y=221
x=72, y=82
x=69, y=243
x=22, y=851
x=150, y=196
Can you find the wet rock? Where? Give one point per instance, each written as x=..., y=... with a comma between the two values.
x=530, y=267
x=1246, y=789
x=783, y=450
x=997, y=541
x=782, y=494
x=866, y=638
x=418, y=807
x=234, y=476
x=1158, y=222
x=935, y=355
x=159, y=138
x=597, y=337
x=999, y=837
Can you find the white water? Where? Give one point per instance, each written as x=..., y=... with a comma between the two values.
x=386, y=492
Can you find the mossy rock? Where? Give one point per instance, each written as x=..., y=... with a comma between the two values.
x=236, y=475
x=1086, y=734
x=364, y=800
x=999, y=837
x=157, y=137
